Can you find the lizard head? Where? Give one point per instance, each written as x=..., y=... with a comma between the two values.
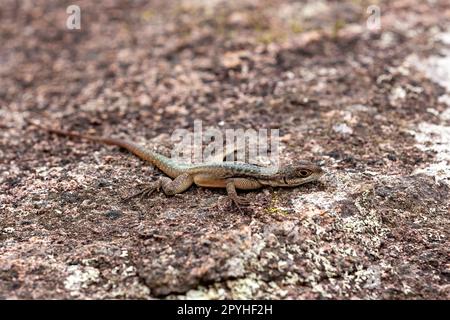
x=295, y=175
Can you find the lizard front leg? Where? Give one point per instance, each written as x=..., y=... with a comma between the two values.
x=168, y=186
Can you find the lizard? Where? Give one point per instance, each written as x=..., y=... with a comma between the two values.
x=228, y=175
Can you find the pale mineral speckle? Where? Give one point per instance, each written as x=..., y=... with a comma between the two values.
x=435, y=138
x=439, y=170
x=203, y=293
x=236, y=267
x=244, y=288
x=80, y=277
x=445, y=115
x=398, y=94
x=436, y=68
x=342, y=128
x=430, y=136
x=8, y=230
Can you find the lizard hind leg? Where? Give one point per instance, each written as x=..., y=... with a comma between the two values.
x=177, y=185
x=168, y=186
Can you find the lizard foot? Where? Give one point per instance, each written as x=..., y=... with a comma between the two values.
x=155, y=186
x=241, y=203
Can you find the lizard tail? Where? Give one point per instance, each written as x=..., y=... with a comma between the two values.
x=109, y=141
x=161, y=162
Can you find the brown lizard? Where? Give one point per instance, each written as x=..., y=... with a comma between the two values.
x=228, y=175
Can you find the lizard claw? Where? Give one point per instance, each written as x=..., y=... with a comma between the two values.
x=147, y=192
x=144, y=192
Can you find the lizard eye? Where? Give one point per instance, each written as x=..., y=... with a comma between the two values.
x=304, y=173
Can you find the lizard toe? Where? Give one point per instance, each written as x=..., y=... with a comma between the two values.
x=240, y=203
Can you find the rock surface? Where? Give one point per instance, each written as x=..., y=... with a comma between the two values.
x=371, y=106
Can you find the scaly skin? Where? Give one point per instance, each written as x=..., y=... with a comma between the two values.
x=228, y=175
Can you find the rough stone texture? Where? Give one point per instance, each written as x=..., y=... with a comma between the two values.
x=371, y=107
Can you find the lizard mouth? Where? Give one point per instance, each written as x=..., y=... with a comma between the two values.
x=285, y=182
x=313, y=177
